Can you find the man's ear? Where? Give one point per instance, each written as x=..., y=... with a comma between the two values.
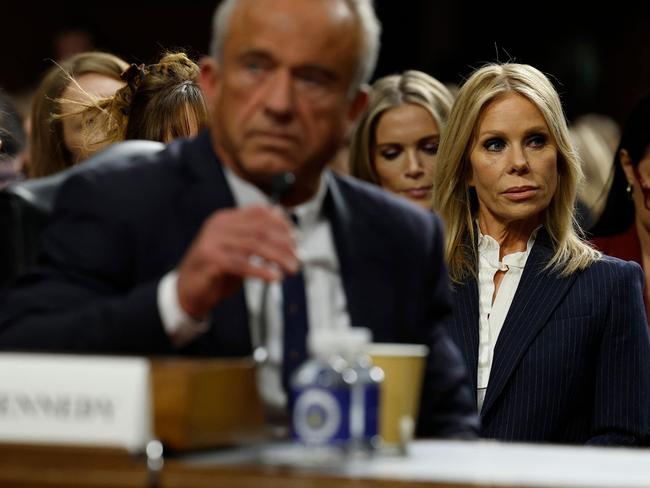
x=209, y=79
x=359, y=104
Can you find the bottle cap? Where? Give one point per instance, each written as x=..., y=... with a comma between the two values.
x=355, y=341
x=323, y=342
x=348, y=341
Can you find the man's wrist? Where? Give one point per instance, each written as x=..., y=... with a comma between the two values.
x=179, y=325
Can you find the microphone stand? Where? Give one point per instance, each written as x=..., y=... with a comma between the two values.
x=280, y=186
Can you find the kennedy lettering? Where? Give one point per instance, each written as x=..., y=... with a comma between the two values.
x=56, y=406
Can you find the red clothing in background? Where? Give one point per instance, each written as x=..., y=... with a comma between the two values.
x=626, y=246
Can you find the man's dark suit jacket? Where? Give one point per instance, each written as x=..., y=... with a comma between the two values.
x=572, y=361
x=119, y=227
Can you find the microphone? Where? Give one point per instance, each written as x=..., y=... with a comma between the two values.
x=281, y=185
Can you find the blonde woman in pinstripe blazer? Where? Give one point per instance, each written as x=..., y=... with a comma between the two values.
x=553, y=333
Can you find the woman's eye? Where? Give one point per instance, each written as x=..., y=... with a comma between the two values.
x=494, y=145
x=390, y=152
x=430, y=148
x=537, y=140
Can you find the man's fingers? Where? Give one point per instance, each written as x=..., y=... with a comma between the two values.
x=253, y=267
x=255, y=242
x=267, y=235
x=270, y=249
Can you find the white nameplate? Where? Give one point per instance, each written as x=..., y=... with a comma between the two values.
x=82, y=400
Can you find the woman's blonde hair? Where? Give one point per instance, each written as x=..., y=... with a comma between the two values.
x=410, y=87
x=48, y=153
x=457, y=203
x=159, y=102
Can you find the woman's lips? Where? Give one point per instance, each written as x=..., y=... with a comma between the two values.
x=418, y=192
x=518, y=193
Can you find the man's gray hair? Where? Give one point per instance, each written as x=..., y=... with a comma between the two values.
x=363, y=9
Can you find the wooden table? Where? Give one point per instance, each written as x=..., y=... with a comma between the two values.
x=68, y=467
x=436, y=464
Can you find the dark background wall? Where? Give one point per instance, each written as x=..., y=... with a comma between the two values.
x=599, y=58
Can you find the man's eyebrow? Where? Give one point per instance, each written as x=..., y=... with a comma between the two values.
x=253, y=52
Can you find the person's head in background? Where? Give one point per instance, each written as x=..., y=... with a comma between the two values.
x=506, y=161
x=68, y=42
x=279, y=105
x=12, y=141
x=595, y=137
x=396, y=140
x=629, y=196
x=56, y=140
x=160, y=102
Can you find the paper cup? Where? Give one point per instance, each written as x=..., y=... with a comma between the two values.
x=403, y=366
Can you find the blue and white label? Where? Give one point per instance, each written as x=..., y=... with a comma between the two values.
x=371, y=410
x=321, y=416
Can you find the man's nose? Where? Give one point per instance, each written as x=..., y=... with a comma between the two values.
x=279, y=96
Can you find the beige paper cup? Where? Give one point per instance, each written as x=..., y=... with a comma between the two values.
x=403, y=366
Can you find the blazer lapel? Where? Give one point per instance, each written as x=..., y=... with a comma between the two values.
x=538, y=294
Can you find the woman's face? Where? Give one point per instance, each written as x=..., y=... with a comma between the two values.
x=80, y=144
x=406, y=144
x=513, y=163
x=639, y=178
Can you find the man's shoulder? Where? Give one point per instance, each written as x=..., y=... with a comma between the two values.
x=373, y=202
x=132, y=170
x=135, y=159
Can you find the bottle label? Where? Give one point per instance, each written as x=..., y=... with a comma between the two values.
x=322, y=416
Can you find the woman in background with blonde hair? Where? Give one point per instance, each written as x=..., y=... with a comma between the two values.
x=553, y=333
x=56, y=141
x=395, y=142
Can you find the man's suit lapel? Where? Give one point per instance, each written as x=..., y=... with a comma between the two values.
x=209, y=191
x=538, y=294
x=366, y=281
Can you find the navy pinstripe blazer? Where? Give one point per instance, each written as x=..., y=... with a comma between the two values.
x=572, y=361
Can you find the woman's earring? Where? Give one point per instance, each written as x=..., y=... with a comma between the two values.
x=628, y=190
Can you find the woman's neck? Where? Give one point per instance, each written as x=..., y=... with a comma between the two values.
x=512, y=237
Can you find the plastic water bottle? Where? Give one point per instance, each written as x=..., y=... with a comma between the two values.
x=320, y=396
x=335, y=393
x=365, y=381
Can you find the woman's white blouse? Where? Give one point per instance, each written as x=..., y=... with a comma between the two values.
x=492, y=314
